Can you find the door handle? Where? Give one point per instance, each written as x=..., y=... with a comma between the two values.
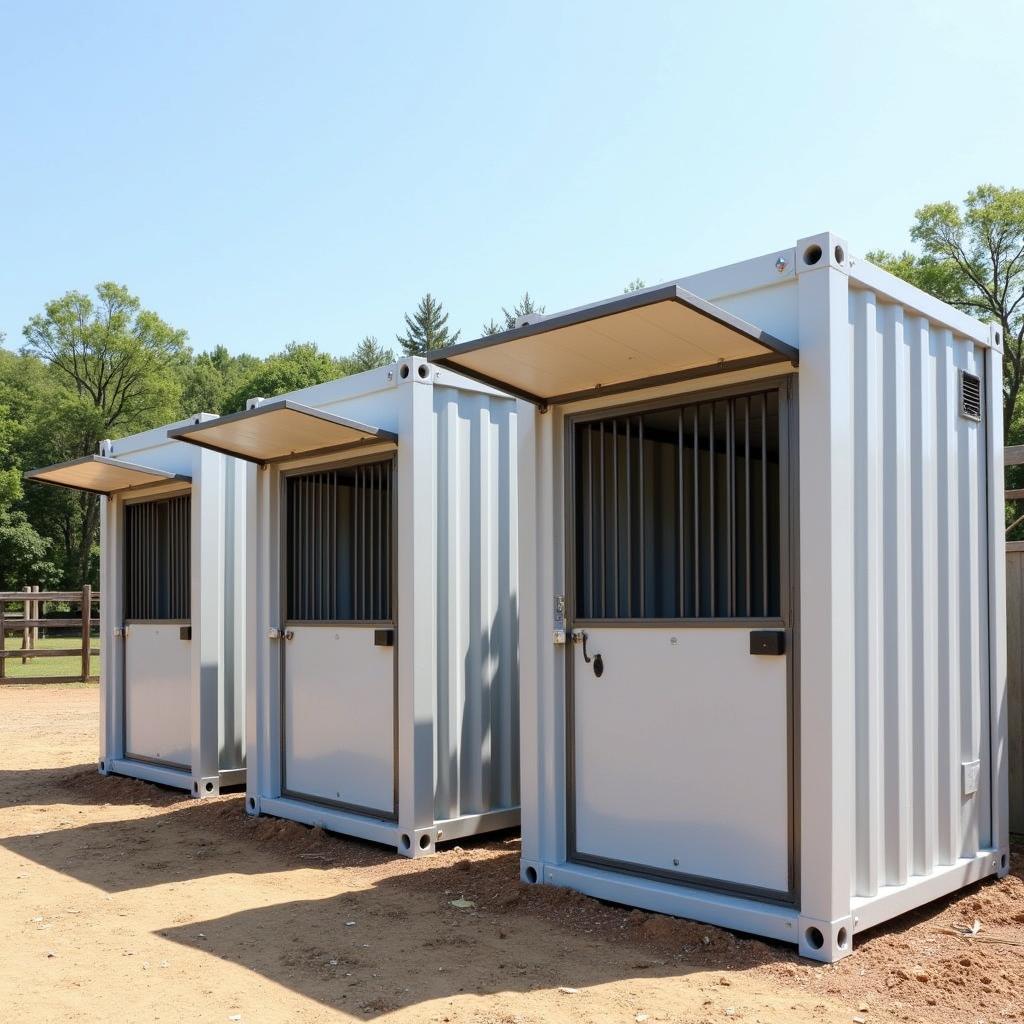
x=579, y=636
x=279, y=634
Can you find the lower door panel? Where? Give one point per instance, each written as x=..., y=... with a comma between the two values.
x=158, y=694
x=339, y=718
x=681, y=755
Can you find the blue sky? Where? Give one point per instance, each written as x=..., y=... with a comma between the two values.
x=263, y=172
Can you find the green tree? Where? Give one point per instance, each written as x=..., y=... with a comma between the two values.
x=370, y=354
x=426, y=329
x=636, y=285
x=973, y=258
x=301, y=365
x=24, y=553
x=524, y=307
x=211, y=377
x=115, y=367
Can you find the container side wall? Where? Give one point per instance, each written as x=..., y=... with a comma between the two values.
x=477, y=734
x=921, y=616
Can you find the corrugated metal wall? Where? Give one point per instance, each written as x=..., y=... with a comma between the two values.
x=477, y=733
x=921, y=606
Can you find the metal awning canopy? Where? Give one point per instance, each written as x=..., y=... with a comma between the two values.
x=655, y=337
x=100, y=475
x=279, y=429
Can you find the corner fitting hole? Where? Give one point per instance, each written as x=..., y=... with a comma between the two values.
x=103, y=768
x=209, y=787
x=841, y=938
x=998, y=338
x=403, y=371
x=406, y=842
x=195, y=787
x=812, y=254
x=531, y=875
x=424, y=841
x=814, y=938
x=252, y=803
x=1002, y=862
x=424, y=371
x=839, y=254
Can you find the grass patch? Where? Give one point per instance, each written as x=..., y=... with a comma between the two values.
x=71, y=665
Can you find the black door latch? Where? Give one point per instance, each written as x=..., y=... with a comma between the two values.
x=596, y=660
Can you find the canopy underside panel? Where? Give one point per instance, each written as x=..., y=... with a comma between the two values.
x=278, y=430
x=640, y=340
x=101, y=475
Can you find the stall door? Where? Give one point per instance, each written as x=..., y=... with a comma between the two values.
x=339, y=662
x=680, y=715
x=157, y=646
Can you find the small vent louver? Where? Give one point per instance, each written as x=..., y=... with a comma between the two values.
x=970, y=395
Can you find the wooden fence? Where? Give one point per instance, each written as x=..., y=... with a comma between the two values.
x=31, y=620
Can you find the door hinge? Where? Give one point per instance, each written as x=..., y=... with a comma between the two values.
x=279, y=634
x=558, y=624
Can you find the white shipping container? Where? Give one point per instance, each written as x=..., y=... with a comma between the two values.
x=762, y=593
x=172, y=653
x=383, y=677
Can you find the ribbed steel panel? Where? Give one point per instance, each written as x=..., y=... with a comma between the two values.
x=921, y=619
x=477, y=736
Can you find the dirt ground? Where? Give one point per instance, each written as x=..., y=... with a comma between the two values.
x=122, y=901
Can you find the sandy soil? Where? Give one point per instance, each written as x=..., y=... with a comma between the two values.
x=121, y=901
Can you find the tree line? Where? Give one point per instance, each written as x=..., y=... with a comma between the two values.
x=99, y=366
x=102, y=366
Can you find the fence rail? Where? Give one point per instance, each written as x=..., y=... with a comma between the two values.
x=31, y=620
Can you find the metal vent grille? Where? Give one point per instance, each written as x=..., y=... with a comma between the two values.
x=157, y=555
x=338, y=541
x=970, y=395
x=677, y=512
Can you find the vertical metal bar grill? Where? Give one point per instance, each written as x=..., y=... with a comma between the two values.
x=157, y=571
x=684, y=523
x=338, y=540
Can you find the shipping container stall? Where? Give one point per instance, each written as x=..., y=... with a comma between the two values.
x=762, y=637
x=383, y=687
x=172, y=680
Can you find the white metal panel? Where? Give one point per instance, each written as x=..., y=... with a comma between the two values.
x=158, y=693
x=155, y=449
x=921, y=611
x=477, y=736
x=681, y=754
x=339, y=714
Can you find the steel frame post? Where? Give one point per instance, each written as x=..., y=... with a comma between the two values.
x=826, y=740
x=416, y=612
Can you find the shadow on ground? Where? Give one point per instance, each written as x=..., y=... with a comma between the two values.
x=80, y=784
x=404, y=941
x=393, y=933
x=194, y=839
